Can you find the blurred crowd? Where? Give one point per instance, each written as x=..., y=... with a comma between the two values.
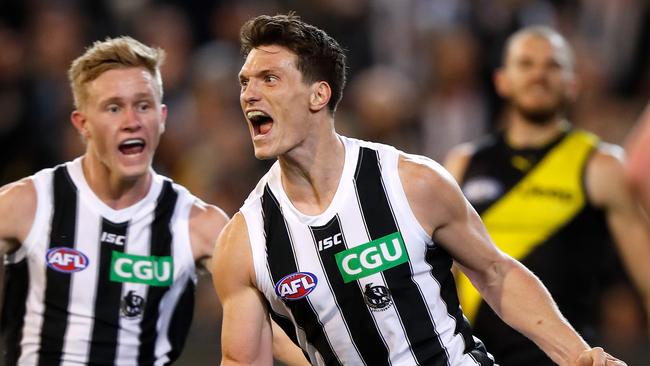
x=420, y=78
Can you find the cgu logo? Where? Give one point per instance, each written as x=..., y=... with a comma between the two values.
x=296, y=285
x=329, y=242
x=373, y=257
x=111, y=238
x=150, y=270
x=66, y=260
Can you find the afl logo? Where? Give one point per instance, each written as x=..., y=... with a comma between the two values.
x=66, y=260
x=296, y=285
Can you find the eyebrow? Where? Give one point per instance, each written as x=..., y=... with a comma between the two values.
x=259, y=73
x=117, y=99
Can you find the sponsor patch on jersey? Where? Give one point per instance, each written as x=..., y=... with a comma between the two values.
x=295, y=286
x=482, y=189
x=372, y=257
x=377, y=298
x=149, y=270
x=66, y=260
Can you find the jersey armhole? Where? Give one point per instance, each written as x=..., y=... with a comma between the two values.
x=43, y=209
x=390, y=164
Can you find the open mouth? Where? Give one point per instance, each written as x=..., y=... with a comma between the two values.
x=132, y=146
x=262, y=122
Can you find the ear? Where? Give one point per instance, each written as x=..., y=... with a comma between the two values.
x=320, y=96
x=501, y=84
x=79, y=120
x=163, y=118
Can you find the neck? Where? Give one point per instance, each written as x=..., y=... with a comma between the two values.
x=521, y=133
x=312, y=171
x=115, y=191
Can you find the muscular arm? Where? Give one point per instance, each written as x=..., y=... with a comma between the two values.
x=247, y=337
x=17, y=210
x=514, y=293
x=246, y=334
x=626, y=220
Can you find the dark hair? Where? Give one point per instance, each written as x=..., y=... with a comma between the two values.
x=320, y=57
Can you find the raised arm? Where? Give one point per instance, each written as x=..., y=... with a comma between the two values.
x=17, y=210
x=626, y=220
x=514, y=293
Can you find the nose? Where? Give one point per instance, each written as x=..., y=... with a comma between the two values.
x=249, y=93
x=132, y=120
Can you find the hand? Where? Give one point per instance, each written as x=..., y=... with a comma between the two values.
x=597, y=357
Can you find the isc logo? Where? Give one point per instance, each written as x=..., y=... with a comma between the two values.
x=111, y=238
x=329, y=242
x=66, y=260
x=296, y=285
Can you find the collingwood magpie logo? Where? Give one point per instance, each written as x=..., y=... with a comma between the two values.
x=377, y=297
x=132, y=305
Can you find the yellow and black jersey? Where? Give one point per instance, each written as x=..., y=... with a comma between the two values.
x=534, y=205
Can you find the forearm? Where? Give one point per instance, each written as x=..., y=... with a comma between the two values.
x=521, y=300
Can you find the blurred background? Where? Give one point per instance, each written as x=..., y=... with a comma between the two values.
x=420, y=79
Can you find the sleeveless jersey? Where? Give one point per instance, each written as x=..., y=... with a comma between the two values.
x=362, y=283
x=93, y=285
x=533, y=203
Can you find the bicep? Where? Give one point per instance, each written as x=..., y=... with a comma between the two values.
x=246, y=335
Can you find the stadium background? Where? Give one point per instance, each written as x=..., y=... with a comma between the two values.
x=419, y=78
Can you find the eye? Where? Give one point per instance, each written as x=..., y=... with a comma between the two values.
x=243, y=83
x=113, y=108
x=270, y=78
x=143, y=106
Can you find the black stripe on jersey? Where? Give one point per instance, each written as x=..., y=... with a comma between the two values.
x=181, y=321
x=414, y=314
x=103, y=344
x=161, y=243
x=441, y=262
x=281, y=260
x=16, y=285
x=57, y=285
x=348, y=298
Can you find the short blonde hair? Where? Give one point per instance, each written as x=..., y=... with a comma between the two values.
x=113, y=53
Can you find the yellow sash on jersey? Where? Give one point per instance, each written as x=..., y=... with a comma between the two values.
x=546, y=199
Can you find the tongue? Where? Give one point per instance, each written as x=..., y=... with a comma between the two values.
x=132, y=149
x=265, y=127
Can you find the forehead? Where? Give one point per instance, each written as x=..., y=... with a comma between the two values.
x=272, y=57
x=538, y=46
x=122, y=83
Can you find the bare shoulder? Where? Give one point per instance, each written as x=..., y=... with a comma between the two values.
x=232, y=255
x=206, y=223
x=458, y=158
x=604, y=176
x=18, y=203
x=431, y=191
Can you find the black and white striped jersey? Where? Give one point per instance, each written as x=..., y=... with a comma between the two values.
x=97, y=286
x=362, y=283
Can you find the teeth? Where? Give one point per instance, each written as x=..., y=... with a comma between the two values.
x=133, y=142
x=254, y=114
